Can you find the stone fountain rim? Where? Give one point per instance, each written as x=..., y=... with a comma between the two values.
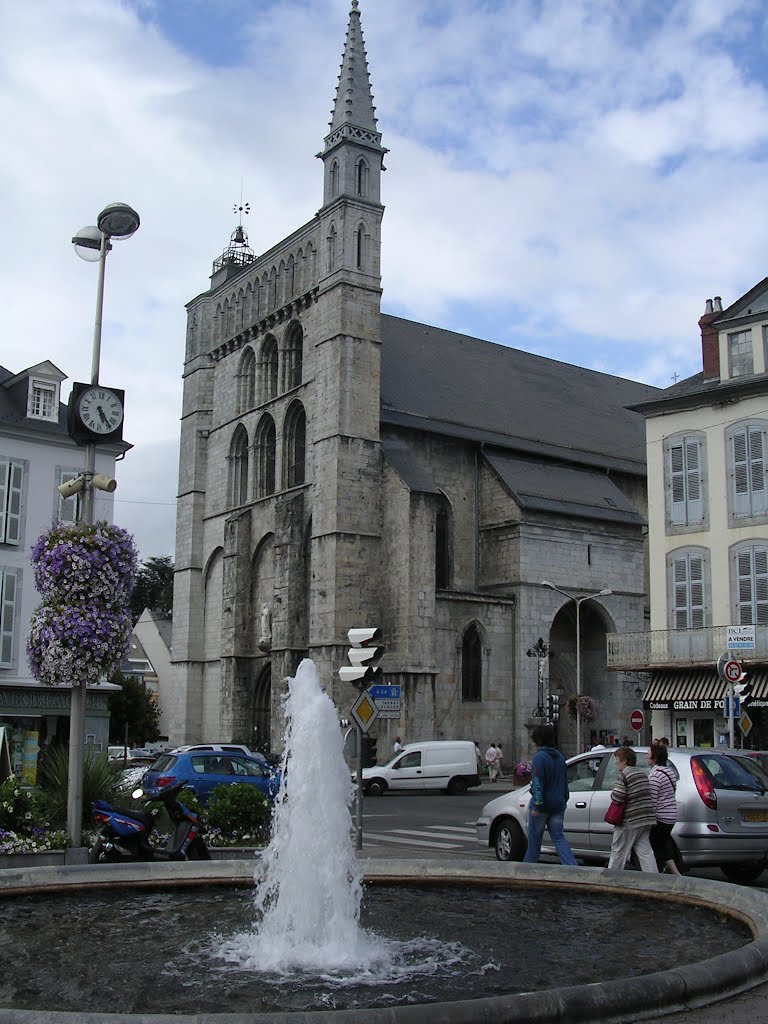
x=655, y=995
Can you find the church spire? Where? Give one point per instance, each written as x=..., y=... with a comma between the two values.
x=354, y=99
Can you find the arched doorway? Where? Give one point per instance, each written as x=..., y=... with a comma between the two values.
x=261, y=716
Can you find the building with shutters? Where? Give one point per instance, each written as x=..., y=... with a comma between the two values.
x=708, y=529
x=341, y=467
x=36, y=455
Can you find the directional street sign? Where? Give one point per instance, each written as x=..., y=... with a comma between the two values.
x=364, y=711
x=383, y=692
x=727, y=707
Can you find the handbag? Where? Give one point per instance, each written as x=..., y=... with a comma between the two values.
x=615, y=813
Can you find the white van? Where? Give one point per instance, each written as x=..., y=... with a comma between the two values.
x=450, y=765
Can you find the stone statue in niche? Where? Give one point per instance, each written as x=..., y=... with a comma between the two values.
x=265, y=634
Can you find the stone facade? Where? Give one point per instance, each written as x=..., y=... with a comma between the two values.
x=311, y=502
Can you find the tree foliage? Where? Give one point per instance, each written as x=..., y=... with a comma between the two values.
x=136, y=706
x=153, y=587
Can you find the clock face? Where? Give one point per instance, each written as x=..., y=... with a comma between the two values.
x=100, y=410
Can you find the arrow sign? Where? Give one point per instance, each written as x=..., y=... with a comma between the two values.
x=383, y=692
x=732, y=671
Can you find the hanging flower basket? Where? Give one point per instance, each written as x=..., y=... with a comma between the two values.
x=81, y=630
x=587, y=707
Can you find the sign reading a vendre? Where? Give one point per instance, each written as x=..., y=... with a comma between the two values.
x=741, y=638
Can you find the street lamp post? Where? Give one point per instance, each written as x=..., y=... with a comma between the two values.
x=578, y=601
x=91, y=243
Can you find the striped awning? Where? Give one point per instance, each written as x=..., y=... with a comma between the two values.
x=699, y=689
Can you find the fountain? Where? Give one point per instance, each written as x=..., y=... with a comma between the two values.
x=316, y=941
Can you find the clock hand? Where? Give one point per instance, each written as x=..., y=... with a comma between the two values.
x=102, y=415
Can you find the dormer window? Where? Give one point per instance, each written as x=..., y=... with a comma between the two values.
x=740, y=356
x=42, y=401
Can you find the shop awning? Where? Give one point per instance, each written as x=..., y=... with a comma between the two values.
x=699, y=689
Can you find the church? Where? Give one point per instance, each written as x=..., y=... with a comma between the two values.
x=341, y=467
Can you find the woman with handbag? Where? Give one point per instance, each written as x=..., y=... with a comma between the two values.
x=663, y=785
x=633, y=793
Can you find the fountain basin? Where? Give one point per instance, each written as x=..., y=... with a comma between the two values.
x=646, y=996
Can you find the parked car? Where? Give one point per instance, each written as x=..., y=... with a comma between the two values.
x=722, y=800
x=230, y=748
x=131, y=757
x=202, y=770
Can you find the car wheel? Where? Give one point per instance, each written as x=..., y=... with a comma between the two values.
x=375, y=787
x=457, y=786
x=509, y=840
x=743, y=874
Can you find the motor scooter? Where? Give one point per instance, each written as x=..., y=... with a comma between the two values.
x=124, y=835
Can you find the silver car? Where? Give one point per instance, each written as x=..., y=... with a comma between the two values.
x=722, y=801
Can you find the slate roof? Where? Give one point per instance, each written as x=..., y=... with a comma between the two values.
x=13, y=413
x=443, y=382
x=567, y=490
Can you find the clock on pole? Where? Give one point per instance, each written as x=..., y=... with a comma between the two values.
x=95, y=414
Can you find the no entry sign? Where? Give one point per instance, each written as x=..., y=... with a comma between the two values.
x=637, y=720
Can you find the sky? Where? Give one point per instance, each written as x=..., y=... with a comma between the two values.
x=570, y=177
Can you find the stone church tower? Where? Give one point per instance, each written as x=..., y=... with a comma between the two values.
x=279, y=514
x=341, y=467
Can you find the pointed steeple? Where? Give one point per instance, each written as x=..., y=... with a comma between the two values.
x=354, y=99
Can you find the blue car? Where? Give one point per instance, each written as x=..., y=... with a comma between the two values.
x=201, y=771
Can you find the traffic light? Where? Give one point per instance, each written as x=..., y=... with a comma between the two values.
x=364, y=655
x=368, y=750
x=553, y=707
x=743, y=691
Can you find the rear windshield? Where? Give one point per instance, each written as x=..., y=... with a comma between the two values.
x=730, y=772
x=163, y=763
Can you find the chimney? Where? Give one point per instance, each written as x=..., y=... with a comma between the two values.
x=710, y=345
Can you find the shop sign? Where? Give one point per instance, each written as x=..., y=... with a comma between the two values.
x=45, y=699
x=689, y=705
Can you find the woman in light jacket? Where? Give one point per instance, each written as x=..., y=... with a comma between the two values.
x=634, y=791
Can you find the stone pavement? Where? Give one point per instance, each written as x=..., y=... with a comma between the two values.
x=749, y=1008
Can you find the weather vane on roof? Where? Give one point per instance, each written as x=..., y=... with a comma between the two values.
x=242, y=207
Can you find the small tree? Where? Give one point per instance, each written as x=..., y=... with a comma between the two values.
x=136, y=707
x=153, y=588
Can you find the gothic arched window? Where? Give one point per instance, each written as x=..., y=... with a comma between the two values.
x=268, y=369
x=246, y=382
x=361, y=177
x=294, y=445
x=238, y=467
x=443, y=546
x=265, y=457
x=471, y=664
x=360, y=247
x=293, y=356
x=334, y=178
x=332, y=247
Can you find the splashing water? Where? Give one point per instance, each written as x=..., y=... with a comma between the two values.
x=310, y=893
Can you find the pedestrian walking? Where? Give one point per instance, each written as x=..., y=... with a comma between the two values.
x=479, y=756
x=499, y=762
x=663, y=783
x=549, y=796
x=633, y=790
x=490, y=760
x=398, y=745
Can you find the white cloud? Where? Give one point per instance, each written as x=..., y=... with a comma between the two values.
x=583, y=169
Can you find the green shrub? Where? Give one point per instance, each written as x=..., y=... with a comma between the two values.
x=100, y=782
x=15, y=806
x=237, y=810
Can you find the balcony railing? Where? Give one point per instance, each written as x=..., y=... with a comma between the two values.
x=671, y=648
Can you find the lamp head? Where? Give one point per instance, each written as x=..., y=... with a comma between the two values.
x=605, y=593
x=87, y=243
x=546, y=583
x=118, y=220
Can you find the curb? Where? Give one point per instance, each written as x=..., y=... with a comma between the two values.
x=632, y=999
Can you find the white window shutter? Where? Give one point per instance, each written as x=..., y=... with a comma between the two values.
x=68, y=507
x=741, y=502
x=693, y=480
x=677, y=483
x=13, y=511
x=757, y=470
x=7, y=614
x=5, y=480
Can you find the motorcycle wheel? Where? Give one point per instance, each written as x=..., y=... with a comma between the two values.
x=100, y=855
x=198, y=851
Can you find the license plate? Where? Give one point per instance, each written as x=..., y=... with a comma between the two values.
x=754, y=815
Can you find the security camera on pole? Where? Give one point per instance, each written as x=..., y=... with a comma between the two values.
x=364, y=655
